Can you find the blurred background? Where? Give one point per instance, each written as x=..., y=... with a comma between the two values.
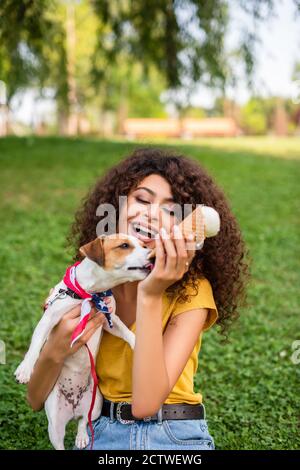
x=82, y=85
x=147, y=68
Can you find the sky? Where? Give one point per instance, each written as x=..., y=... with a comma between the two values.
x=276, y=56
x=281, y=49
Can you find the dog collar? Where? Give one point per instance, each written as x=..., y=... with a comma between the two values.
x=97, y=299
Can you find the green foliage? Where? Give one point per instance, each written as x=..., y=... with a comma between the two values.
x=193, y=112
x=183, y=41
x=144, y=92
x=154, y=34
x=25, y=28
x=253, y=117
x=125, y=83
x=249, y=385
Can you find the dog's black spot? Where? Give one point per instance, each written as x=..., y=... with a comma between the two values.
x=70, y=397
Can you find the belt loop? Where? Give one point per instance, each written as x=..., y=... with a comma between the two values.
x=111, y=412
x=159, y=415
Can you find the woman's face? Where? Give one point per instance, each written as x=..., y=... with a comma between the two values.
x=149, y=207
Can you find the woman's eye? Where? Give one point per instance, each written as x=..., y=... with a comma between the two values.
x=170, y=211
x=141, y=200
x=124, y=245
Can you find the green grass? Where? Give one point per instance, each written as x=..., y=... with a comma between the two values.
x=250, y=386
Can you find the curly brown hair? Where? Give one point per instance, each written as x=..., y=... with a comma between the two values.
x=222, y=260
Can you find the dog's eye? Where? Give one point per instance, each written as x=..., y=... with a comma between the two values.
x=124, y=245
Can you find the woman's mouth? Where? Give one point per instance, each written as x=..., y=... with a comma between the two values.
x=143, y=233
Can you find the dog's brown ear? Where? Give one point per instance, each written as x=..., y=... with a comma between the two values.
x=94, y=250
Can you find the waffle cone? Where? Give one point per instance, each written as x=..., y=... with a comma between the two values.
x=194, y=225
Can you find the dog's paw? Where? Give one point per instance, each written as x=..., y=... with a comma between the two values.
x=82, y=439
x=23, y=372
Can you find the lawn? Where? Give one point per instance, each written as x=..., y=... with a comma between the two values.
x=250, y=385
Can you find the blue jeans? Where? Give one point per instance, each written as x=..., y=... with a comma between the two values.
x=111, y=434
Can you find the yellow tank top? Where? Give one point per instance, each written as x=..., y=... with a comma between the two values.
x=115, y=356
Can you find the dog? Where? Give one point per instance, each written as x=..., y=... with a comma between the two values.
x=108, y=261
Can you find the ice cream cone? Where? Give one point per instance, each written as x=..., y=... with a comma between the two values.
x=202, y=223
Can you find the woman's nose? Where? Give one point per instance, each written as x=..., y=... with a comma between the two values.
x=153, y=212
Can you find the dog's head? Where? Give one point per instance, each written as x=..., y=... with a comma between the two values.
x=120, y=255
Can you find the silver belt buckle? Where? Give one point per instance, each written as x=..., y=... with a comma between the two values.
x=118, y=413
x=147, y=418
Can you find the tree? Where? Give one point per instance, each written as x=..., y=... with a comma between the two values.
x=181, y=38
x=23, y=28
x=280, y=118
x=159, y=32
x=42, y=44
x=253, y=117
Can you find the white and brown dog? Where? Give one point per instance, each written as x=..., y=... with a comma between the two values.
x=109, y=261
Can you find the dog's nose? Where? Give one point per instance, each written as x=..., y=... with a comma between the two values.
x=146, y=247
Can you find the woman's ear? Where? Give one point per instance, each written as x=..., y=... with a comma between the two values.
x=94, y=250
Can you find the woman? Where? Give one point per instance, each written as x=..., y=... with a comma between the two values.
x=184, y=295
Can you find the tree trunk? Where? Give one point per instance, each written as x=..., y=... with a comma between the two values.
x=122, y=111
x=72, y=120
x=4, y=120
x=62, y=121
x=280, y=119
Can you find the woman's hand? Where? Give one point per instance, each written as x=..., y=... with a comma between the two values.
x=171, y=263
x=58, y=343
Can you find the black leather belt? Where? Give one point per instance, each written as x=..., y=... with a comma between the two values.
x=122, y=412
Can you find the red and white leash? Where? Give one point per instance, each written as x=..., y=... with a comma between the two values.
x=72, y=283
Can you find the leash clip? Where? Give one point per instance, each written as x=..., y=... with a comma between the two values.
x=60, y=295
